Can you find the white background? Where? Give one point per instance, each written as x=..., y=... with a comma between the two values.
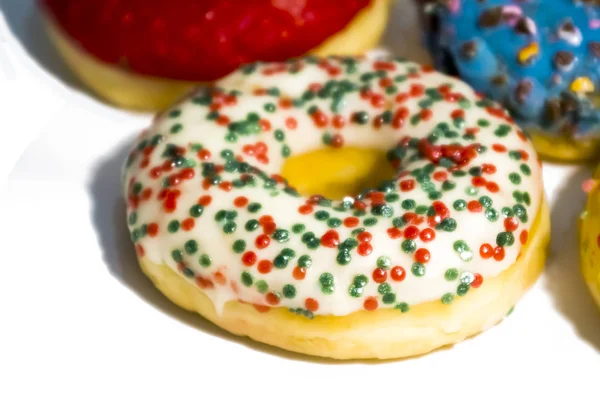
x=78, y=320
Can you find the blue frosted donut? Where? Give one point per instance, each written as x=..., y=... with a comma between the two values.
x=539, y=58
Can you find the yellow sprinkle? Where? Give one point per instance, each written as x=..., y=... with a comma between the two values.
x=582, y=84
x=528, y=52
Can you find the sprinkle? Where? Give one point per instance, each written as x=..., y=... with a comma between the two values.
x=528, y=53
x=583, y=84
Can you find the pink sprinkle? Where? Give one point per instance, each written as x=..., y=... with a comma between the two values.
x=454, y=6
x=512, y=13
x=595, y=24
x=588, y=185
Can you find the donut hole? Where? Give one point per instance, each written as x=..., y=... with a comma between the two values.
x=336, y=173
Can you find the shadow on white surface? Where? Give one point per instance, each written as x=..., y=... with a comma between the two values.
x=563, y=276
x=24, y=19
x=402, y=39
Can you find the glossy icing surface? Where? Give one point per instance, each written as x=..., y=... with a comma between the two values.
x=539, y=58
x=175, y=39
x=206, y=198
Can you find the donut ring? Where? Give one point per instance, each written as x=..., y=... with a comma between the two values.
x=147, y=87
x=439, y=253
x=541, y=63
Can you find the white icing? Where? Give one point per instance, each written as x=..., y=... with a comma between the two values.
x=474, y=228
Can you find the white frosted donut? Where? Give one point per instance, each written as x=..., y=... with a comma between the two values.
x=435, y=255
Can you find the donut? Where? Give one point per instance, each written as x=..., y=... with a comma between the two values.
x=539, y=60
x=589, y=237
x=144, y=54
x=343, y=207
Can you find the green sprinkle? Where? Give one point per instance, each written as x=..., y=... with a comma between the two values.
x=355, y=291
x=239, y=246
x=327, y=283
x=384, y=262
x=486, y=201
x=515, y=178
x=247, y=279
x=196, y=210
x=360, y=280
x=334, y=222
x=408, y=246
x=460, y=205
x=447, y=224
x=344, y=258
x=448, y=298
x=388, y=298
x=177, y=255
x=384, y=288
x=305, y=261
x=281, y=235
x=251, y=225
x=505, y=239
x=491, y=214
x=370, y=221
x=176, y=128
x=462, y=289
x=321, y=215
x=205, y=260
x=132, y=218
x=173, y=226
x=289, y=291
x=191, y=246
x=418, y=269
x=254, y=207
x=229, y=227
x=220, y=215
x=262, y=286
x=297, y=228
x=451, y=274
x=408, y=204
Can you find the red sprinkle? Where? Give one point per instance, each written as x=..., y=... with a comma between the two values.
x=364, y=237
x=427, y=235
x=364, y=249
x=152, y=229
x=262, y=241
x=249, y=258
x=240, y=201
x=379, y=275
x=398, y=274
x=371, y=303
x=511, y=224
x=486, y=251
x=330, y=239
x=474, y=206
x=422, y=255
x=311, y=304
x=272, y=299
x=265, y=266
x=187, y=224
x=351, y=222
x=477, y=281
x=299, y=273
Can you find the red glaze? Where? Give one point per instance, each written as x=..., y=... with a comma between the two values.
x=199, y=40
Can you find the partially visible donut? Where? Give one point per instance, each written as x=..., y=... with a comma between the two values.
x=540, y=59
x=589, y=237
x=438, y=253
x=143, y=54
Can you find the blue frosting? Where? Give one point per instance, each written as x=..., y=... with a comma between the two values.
x=480, y=41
